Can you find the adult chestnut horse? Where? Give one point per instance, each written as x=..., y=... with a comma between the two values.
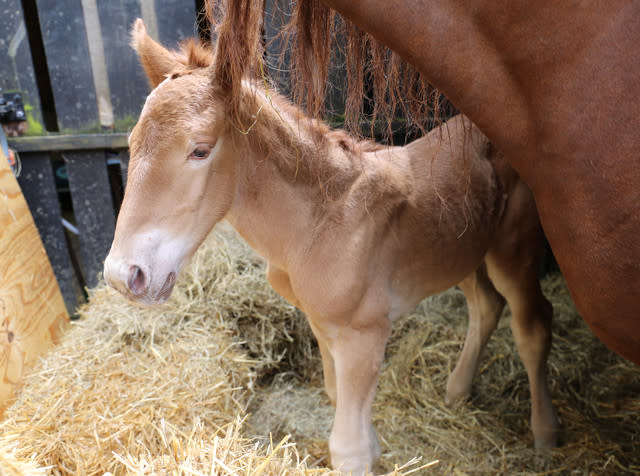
x=355, y=234
x=555, y=85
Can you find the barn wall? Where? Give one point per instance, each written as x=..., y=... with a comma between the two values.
x=83, y=88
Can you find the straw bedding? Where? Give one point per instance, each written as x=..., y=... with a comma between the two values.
x=226, y=379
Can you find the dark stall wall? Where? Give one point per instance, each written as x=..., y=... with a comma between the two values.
x=128, y=86
x=16, y=66
x=167, y=21
x=95, y=76
x=67, y=53
x=176, y=21
x=96, y=80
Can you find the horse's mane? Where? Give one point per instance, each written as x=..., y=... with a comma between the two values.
x=378, y=81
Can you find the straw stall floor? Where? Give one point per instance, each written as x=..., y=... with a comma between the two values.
x=596, y=393
x=226, y=379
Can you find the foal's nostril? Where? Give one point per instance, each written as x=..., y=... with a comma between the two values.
x=137, y=281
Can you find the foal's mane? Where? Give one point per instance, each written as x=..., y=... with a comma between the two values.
x=194, y=56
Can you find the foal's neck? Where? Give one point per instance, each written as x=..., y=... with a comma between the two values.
x=304, y=150
x=290, y=168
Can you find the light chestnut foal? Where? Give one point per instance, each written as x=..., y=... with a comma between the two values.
x=354, y=234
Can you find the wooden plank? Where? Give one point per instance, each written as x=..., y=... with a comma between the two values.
x=17, y=67
x=127, y=81
x=98, y=63
x=32, y=311
x=169, y=21
x=39, y=188
x=67, y=50
x=93, y=208
x=70, y=142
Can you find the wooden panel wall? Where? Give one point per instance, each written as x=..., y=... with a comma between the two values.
x=96, y=79
x=16, y=64
x=67, y=52
x=32, y=312
x=97, y=86
x=39, y=188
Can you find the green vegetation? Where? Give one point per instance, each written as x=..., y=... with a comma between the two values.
x=35, y=127
x=126, y=123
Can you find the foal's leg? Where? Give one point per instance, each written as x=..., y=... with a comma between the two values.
x=516, y=278
x=328, y=366
x=280, y=281
x=485, y=307
x=357, y=352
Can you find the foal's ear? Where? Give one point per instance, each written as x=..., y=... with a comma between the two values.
x=157, y=61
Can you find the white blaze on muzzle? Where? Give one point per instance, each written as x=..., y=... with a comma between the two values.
x=145, y=268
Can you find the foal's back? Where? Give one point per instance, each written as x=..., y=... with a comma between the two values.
x=455, y=193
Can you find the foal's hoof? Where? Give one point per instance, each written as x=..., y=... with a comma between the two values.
x=352, y=467
x=453, y=398
x=546, y=439
x=356, y=459
x=458, y=387
x=545, y=428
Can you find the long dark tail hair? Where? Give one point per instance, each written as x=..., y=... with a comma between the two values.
x=379, y=84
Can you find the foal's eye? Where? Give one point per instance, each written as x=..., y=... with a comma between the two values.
x=201, y=151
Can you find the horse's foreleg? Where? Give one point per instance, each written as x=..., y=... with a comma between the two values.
x=485, y=307
x=358, y=355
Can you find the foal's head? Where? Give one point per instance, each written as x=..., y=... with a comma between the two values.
x=181, y=177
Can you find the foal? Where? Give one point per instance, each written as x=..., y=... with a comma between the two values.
x=354, y=234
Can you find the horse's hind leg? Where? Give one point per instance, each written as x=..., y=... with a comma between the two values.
x=514, y=273
x=485, y=307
